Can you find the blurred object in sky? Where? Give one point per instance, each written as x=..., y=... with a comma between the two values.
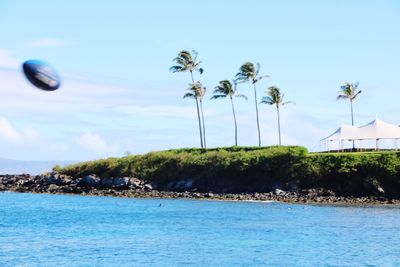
x=41, y=75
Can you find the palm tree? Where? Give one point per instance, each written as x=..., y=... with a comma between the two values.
x=224, y=89
x=185, y=61
x=197, y=92
x=274, y=97
x=249, y=72
x=349, y=91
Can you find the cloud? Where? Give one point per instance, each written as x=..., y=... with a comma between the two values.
x=8, y=60
x=8, y=132
x=95, y=143
x=46, y=43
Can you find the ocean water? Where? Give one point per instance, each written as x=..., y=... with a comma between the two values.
x=65, y=230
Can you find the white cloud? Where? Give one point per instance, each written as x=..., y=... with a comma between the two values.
x=8, y=132
x=46, y=43
x=8, y=60
x=95, y=143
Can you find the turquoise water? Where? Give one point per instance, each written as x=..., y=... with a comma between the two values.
x=50, y=230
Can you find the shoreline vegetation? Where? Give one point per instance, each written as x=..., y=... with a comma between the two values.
x=277, y=173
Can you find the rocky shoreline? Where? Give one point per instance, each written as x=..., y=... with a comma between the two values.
x=54, y=183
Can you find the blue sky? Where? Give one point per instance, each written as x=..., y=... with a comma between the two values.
x=118, y=95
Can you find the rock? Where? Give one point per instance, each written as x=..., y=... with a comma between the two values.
x=380, y=190
x=121, y=181
x=92, y=180
x=196, y=195
x=209, y=194
x=135, y=182
x=327, y=193
x=148, y=187
x=279, y=192
x=107, y=182
x=53, y=188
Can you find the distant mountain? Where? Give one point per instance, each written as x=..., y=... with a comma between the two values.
x=11, y=166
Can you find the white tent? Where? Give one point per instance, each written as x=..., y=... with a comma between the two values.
x=378, y=129
x=375, y=130
x=344, y=132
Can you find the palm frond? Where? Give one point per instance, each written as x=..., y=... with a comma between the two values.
x=224, y=88
x=219, y=90
x=267, y=100
x=274, y=97
x=241, y=96
x=180, y=61
x=246, y=72
x=348, y=91
x=288, y=102
x=217, y=97
x=342, y=96
x=186, y=61
x=185, y=55
x=257, y=69
x=176, y=69
x=339, y=97
x=237, y=81
x=195, y=54
x=262, y=77
x=189, y=95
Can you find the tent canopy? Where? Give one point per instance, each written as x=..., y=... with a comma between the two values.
x=376, y=129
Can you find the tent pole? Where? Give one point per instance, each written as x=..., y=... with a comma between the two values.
x=376, y=144
x=395, y=143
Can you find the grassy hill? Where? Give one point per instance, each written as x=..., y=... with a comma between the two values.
x=255, y=169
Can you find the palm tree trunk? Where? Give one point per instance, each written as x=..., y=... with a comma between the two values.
x=204, y=127
x=279, y=126
x=258, y=123
x=234, y=120
x=352, y=121
x=198, y=116
x=352, y=118
x=191, y=75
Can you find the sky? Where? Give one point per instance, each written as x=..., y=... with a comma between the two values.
x=118, y=96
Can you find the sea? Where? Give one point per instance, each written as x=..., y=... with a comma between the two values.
x=72, y=230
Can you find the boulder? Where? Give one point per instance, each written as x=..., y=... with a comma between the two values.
x=121, y=181
x=107, y=182
x=135, y=182
x=279, y=192
x=148, y=187
x=92, y=180
x=53, y=188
